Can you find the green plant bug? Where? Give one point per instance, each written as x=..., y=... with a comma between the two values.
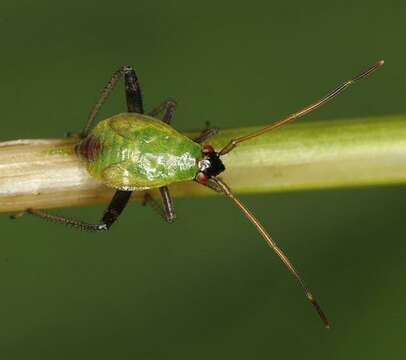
x=134, y=151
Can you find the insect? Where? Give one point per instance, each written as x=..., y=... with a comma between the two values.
x=133, y=151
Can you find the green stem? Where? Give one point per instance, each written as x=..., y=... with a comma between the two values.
x=304, y=155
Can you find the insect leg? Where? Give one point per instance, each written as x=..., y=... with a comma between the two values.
x=167, y=210
x=111, y=214
x=168, y=107
x=116, y=207
x=132, y=90
x=205, y=135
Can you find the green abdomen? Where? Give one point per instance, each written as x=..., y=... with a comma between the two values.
x=135, y=152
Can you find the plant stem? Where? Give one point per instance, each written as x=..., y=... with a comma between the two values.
x=304, y=155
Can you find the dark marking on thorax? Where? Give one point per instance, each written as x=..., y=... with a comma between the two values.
x=89, y=148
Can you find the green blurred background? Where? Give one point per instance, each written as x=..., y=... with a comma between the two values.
x=207, y=286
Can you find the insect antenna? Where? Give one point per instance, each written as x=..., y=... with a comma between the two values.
x=220, y=186
x=308, y=109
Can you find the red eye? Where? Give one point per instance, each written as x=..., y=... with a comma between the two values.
x=202, y=178
x=208, y=149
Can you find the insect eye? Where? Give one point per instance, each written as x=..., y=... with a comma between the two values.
x=202, y=178
x=207, y=149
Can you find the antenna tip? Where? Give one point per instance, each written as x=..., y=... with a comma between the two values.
x=381, y=62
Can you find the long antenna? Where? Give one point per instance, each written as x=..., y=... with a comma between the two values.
x=226, y=190
x=339, y=89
